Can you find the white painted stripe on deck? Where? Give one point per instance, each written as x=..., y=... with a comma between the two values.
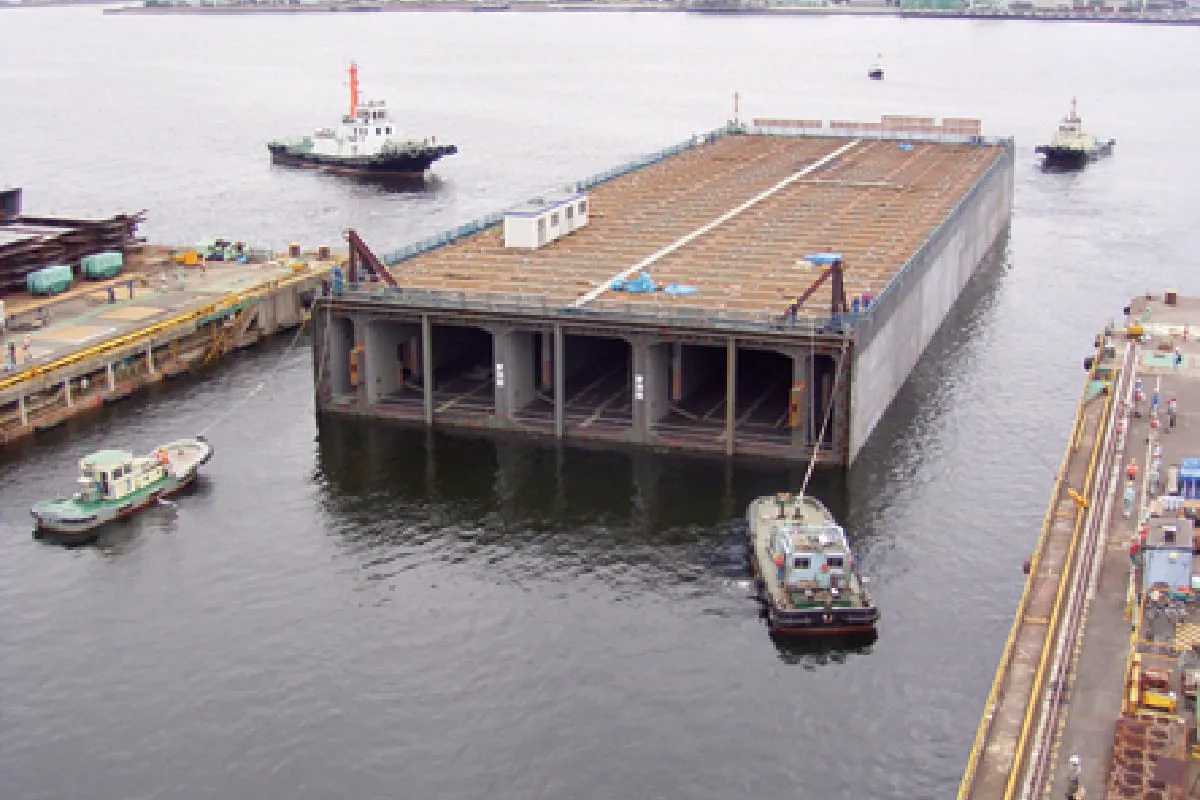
x=728, y=215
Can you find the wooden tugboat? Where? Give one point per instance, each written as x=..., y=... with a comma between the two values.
x=114, y=484
x=805, y=568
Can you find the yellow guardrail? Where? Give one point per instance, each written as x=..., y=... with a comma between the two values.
x=1015, y=772
x=985, y=724
x=148, y=333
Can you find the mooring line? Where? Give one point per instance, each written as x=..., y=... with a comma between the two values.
x=259, y=387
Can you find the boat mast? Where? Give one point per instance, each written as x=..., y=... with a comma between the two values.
x=353, y=88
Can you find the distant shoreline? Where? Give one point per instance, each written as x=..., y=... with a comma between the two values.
x=644, y=6
x=655, y=7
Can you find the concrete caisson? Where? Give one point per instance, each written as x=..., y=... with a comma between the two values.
x=751, y=291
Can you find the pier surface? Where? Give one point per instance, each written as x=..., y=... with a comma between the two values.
x=750, y=342
x=1095, y=664
x=102, y=340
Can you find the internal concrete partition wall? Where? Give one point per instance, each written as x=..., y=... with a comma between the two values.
x=387, y=349
x=913, y=306
x=334, y=343
x=519, y=370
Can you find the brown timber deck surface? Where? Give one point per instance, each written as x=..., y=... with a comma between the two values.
x=875, y=204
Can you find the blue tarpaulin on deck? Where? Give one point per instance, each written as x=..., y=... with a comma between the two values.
x=823, y=259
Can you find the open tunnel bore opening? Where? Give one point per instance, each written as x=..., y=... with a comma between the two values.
x=463, y=376
x=763, y=392
x=597, y=375
x=697, y=392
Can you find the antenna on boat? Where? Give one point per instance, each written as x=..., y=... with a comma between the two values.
x=353, y=88
x=736, y=97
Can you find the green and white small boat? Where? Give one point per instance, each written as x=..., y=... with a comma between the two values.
x=114, y=484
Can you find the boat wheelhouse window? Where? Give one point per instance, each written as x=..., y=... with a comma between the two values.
x=834, y=562
x=802, y=563
x=379, y=131
x=388, y=130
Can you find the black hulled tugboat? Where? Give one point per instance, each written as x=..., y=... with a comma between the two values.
x=367, y=142
x=1071, y=148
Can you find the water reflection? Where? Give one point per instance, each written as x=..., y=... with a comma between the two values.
x=381, y=184
x=635, y=520
x=814, y=653
x=906, y=438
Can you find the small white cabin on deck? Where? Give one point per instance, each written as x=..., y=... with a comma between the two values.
x=364, y=134
x=114, y=474
x=814, y=557
x=541, y=220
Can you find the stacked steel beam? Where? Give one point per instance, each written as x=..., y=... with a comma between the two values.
x=29, y=243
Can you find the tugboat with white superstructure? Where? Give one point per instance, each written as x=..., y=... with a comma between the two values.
x=1071, y=148
x=367, y=142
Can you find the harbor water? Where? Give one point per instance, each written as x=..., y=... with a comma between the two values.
x=351, y=610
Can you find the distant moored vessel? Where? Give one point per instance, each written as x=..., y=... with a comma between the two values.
x=875, y=71
x=366, y=142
